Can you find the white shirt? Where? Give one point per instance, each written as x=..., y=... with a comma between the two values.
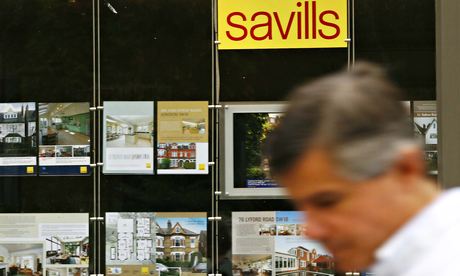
x=428, y=245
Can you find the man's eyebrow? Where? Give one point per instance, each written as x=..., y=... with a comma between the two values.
x=321, y=198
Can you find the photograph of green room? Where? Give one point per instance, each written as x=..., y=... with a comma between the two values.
x=129, y=131
x=64, y=123
x=21, y=259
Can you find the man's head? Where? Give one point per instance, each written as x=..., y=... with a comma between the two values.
x=345, y=152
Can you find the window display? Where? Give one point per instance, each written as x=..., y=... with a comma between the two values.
x=44, y=244
x=64, y=138
x=128, y=137
x=182, y=138
x=18, y=145
x=150, y=243
x=271, y=243
x=246, y=171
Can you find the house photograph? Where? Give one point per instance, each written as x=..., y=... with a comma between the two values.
x=21, y=259
x=176, y=156
x=17, y=129
x=297, y=254
x=128, y=131
x=64, y=123
x=181, y=242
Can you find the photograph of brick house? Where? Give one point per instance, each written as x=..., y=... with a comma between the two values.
x=17, y=129
x=304, y=256
x=181, y=243
x=176, y=155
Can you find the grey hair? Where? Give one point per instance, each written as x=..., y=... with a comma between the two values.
x=357, y=115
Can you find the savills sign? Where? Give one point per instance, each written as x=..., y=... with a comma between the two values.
x=270, y=24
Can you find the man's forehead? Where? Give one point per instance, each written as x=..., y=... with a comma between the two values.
x=314, y=172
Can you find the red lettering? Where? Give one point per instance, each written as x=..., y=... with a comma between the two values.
x=313, y=15
x=284, y=33
x=238, y=26
x=329, y=24
x=267, y=25
x=307, y=19
x=299, y=22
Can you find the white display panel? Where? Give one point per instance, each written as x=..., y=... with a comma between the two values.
x=32, y=244
x=128, y=137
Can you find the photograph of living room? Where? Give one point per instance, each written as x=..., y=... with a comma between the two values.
x=21, y=259
x=64, y=123
x=67, y=250
x=128, y=131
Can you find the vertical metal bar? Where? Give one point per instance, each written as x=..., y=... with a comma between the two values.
x=448, y=91
x=353, y=34
x=98, y=136
x=93, y=140
x=349, y=38
x=213, y=140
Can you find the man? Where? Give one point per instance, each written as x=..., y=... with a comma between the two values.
x=346, y=154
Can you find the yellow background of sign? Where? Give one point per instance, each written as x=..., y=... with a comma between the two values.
x=284, y=9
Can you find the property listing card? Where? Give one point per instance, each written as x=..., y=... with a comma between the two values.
x=64, y=138
x=150, y=243
x=128, y=137
x=426, y=129
x=272, y=243
x=18, y=143
x=182, y=137
x=44, y=244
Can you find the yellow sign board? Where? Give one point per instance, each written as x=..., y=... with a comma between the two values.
x=271, y=24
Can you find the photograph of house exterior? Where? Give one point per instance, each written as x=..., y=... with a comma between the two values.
x=297, y=254
x=181, y=242
x=18, y=129
x=176, y=156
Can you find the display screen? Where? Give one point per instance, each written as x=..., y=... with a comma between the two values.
x=251, y=169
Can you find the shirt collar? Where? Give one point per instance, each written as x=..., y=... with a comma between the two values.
x=416, y=235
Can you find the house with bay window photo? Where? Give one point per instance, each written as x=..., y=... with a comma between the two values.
x=17, y=129
x=181, y=242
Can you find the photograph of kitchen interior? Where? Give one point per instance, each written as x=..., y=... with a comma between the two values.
x=64, y=123
x=129, y=131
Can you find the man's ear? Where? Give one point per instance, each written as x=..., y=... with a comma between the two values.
x=411, y=163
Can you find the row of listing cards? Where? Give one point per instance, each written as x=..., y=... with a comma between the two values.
x=54, y=138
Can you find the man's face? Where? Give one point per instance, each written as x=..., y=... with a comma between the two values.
x=352, y=219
